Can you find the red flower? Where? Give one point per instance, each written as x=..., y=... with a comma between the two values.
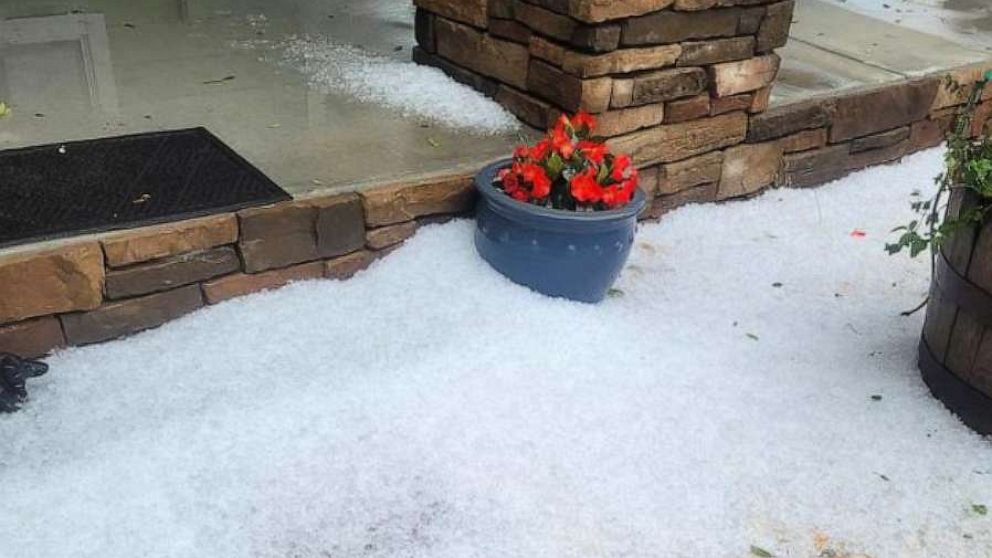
x=584, y=187
x=620, y=165
x=594, y=151
x=584, y=121
x=561, y=141
x=540, y=150
x=538, y=179
x=510, y=179
x=566, y=159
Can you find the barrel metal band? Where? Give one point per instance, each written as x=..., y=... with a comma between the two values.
x=963, y=293
x=971, y=405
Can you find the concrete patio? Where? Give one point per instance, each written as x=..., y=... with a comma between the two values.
x=157, y=64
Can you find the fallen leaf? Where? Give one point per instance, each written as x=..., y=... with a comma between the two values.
x=876, y=397
x=758, y=551
x=276, y=125
x=217, y=81
x=615, y=293
x=753, y=336
x=4, y=109
x=858, y=233
x=980, y=509
x=141, y=199
x=433, y=142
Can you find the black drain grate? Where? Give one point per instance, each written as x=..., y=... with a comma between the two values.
x=59, y=190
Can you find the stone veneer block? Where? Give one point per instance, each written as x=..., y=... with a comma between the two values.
x=546, y=22
x=804, y=141
x=118, y=319
x=620, y=61
x=687, y=174
x=162, y=241
x=699, y=53
x=567, y=91
x=811, y=168
x=704, y=193
x=32, y=338
x=749, y=168
x=925, y=134
x=684, y=110
x=242, y=284
x=595, y=11
x=385, y=237
x=473, y=12
x=774, y=30
x=788, y=119
x=881, y=109
x=599, y=38
x=750, y=22
x=878, y=156
x=501, y=9
x=878, y=141
x=760, y=100
x=346, y=267
x=531, y=110
x=163, y=275
x=340, y=224
x=546, y=50
x=956, y=87
x=674, y=27
x=277, y=236
x=423, y=26
x=674, y=142
x=668, y=85
x=405, y=202
x=486, y=86
x=62, y=280
x=511, y=30
x=694, y=5
x=721, y=105
x=732, y=78
x=479, y=52
x=623, y=121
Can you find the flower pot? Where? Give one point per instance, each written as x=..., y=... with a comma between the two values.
x=574, y=255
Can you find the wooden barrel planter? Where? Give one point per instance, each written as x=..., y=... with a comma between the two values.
x=956, y=348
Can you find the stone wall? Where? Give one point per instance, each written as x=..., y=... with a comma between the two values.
x=111, y=285
x=669, y=80
x=106, y=286
x=681, y=85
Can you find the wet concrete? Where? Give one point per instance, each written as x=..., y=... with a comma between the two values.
x=837, y=45
x=127, y=66
x=75, y=69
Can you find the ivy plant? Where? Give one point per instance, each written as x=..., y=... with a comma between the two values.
x=968, y=166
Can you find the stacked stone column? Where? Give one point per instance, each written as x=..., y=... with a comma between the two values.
x=669, y=79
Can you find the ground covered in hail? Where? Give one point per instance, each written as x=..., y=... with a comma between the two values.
x=751, y=389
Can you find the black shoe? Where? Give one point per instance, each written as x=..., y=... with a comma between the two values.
x=14, y=372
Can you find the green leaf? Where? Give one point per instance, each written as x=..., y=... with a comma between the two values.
x=980, y=509
x=555, y=166
x=4, y=110
x=752, y=337
x=758, y=551
x=615, y=293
